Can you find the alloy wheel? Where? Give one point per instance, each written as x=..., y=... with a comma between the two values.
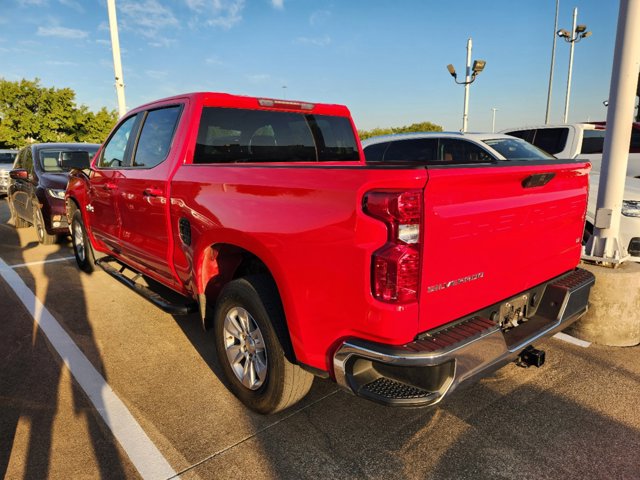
x=245, y=348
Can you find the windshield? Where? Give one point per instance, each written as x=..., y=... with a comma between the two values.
x=7, y=158
x=517, y=149
x=50, y=159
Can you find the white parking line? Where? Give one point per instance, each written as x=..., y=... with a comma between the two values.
x=144, y=455
x=40, y=262
x=569, y=339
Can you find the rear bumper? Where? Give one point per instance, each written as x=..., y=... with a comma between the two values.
x=427, y=370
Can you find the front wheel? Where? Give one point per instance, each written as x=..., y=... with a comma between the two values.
x=250, y=331
x=38, y=222
x=82, y=248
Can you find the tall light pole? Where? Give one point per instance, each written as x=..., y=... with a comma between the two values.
x=470, y=76
x=553, y=62
x=578, y=32
x=605, y=245
x=117, y=62
x=493, y=120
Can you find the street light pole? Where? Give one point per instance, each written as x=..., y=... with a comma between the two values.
x=565, y=117
x=605, y=245
x=117, y=62
x=553, y=61
x=493, y=121
x=470, y=75
x=577, y=33
x=465, y=112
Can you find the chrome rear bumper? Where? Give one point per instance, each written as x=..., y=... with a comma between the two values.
x=423, y=372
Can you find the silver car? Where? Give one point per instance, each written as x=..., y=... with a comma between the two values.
x=7, y=157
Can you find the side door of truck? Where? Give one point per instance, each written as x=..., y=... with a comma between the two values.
x=102, y=211
x=144, y=194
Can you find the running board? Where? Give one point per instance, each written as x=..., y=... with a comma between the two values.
x=169, y=306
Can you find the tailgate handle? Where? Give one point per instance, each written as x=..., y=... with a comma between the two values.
x=537, y=180
x=152, y=192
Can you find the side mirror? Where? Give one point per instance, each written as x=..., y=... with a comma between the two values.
x=75, y=159
x=19, y=174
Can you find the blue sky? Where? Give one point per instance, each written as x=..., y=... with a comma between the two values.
x=385, y=60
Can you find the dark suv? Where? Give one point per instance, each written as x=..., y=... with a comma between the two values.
x=37, y=185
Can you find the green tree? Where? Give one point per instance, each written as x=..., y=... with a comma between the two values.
x=414, y=127
x=30, y=113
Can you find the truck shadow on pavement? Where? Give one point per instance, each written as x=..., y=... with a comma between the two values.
x=33, y=396
x=534, y=430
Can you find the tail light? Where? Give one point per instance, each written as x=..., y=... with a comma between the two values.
x=395, y=268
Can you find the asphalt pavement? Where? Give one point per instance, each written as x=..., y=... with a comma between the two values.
x=143, y=391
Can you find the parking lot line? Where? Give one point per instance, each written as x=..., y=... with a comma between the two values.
x=40, y=262
x=569, y=339
x=145, y=456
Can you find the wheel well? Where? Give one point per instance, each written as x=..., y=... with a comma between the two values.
x=72, y=206
x=224, y=263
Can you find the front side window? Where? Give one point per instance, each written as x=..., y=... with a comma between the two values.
x=113, y=155
x=156, y=137
x=517, y=149
x=228, y=135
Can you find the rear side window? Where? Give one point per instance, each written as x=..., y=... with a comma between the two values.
x=415, y=150
x=526, y=135
x=592, y=141
x=156, y=137
x=375, y=152
x=551, y=140
x=228, y=135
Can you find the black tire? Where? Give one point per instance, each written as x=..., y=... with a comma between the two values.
x=17, y=221
x=38, y=222
x=281, y=383
x=82, y=249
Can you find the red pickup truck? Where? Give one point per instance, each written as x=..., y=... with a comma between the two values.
x=399, y=282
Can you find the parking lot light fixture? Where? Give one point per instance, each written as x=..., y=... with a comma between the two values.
x=471, y=74
x=578, y=32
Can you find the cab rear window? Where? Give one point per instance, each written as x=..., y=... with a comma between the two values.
x=228, y=135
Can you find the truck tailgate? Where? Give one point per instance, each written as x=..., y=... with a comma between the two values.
x=490, y=234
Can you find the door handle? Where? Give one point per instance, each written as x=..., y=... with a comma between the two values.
x=109, y=186
x=152, y=192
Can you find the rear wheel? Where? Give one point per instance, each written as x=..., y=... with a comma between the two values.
x=251, y=341
x=18, y=222
x=82, y=248
x=38, y=222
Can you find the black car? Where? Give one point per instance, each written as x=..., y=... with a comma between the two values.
x=37, y=186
